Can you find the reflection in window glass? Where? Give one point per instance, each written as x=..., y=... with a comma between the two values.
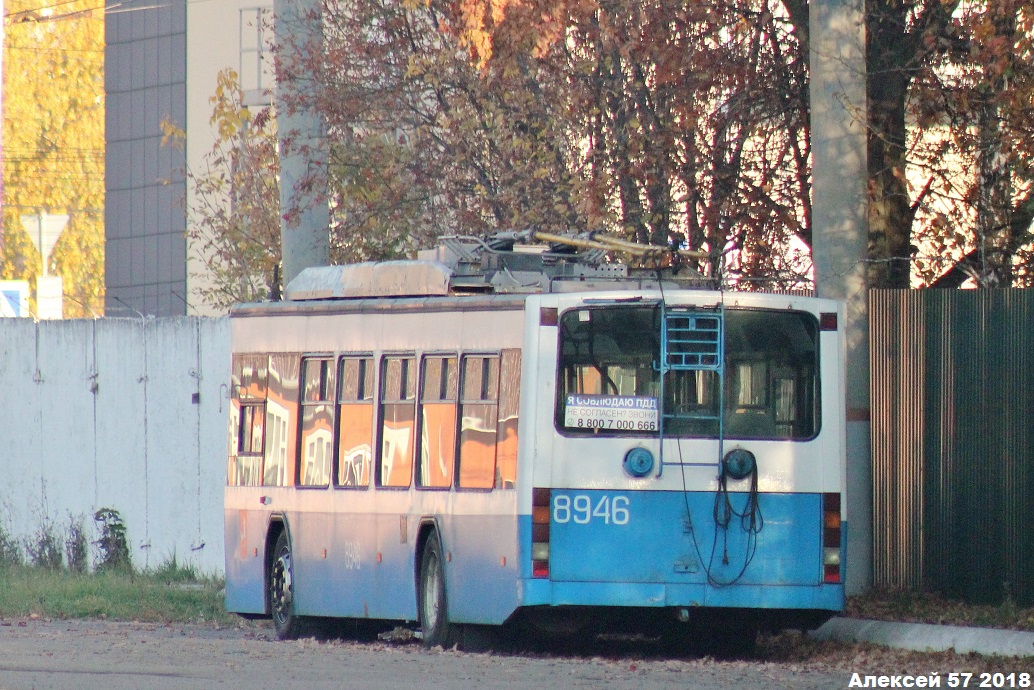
x=750, y=384
x=317, y=433
x=318, y=380
x=249, y=441
x=249, y=376
x=439, y=383
x=398, y=416
x=479, y=422
x=509, y=402
x=281, y=420
x=246, y=461
x=770, y=373
x=247, y=419
x=355, y=422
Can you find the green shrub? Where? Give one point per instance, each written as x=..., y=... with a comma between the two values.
x=113, y=544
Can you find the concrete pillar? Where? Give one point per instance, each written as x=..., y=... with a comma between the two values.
x=304, y=212
x=840, y=242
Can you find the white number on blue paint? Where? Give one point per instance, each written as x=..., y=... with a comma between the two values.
x=581, y=510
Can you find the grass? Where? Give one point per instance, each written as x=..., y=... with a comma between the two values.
x=172, y=593
x=167, y=594
x=920, y=607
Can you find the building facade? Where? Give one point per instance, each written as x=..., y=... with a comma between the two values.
x=161, y=63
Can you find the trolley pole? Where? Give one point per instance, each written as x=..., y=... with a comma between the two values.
x=302, y=140
x=839, y=243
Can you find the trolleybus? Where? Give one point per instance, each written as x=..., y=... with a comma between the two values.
x=488, y=436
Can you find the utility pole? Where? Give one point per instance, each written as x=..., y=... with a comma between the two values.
x=305, y=231
x=840, y=238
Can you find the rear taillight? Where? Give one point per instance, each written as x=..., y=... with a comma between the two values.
x=831, y=538
x=540, y=499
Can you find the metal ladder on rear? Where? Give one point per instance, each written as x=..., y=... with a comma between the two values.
x=693, y=339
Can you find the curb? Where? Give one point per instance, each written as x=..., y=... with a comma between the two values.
x=924, y=637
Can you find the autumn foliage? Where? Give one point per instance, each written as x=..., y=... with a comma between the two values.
x=233, y=215
x=660, y=120
x=951, y=111
x=53, y=144
x=643, y=119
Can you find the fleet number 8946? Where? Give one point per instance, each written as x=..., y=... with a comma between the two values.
x=581, y=509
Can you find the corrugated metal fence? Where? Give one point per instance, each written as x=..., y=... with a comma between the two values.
x=953, y=448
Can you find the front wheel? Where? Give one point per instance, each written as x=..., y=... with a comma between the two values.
x=286, y=622
x=434, y=609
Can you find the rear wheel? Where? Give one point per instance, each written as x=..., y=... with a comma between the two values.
x=434, y=608
x=286, y=622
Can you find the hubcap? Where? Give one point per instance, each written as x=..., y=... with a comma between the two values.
x=281, y=586
x=431, y=594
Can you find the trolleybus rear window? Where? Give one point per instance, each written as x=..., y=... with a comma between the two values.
x=610, y=374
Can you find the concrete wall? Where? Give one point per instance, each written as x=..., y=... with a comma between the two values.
x=129, y=414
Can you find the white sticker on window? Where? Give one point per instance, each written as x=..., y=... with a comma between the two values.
x=620, y=412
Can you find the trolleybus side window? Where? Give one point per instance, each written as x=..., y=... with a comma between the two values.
x=281, y=420
x=509, y=403
x=355, y=421
x=317, y=421
x=247, y=420
x=479, y=421
x=439, y=384
x=398, y=416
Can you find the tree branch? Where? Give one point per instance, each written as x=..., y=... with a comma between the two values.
x=1021, y=217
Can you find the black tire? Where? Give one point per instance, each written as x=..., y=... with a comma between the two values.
x=280, y=592
x=434, y=608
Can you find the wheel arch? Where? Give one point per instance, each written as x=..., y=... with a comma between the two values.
x=277, y=525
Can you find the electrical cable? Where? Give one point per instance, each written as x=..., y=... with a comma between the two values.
x=751, y=519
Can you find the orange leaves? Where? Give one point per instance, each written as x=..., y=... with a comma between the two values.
x=645, y=118
x=478, y=21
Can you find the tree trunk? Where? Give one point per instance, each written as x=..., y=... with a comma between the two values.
x=890, y=214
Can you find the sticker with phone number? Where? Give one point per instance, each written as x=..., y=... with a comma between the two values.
x=618, y=412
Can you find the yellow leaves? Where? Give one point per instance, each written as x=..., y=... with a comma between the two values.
x=172, y=134
x=229, y=114
x=53, y=136
x=415, y=67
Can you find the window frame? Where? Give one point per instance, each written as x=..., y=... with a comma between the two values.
x=249, y=381
x=493, y=402
x=370, y=377
x=808, y=379
x=410, y=377
x=452, y=395
x=327, y=390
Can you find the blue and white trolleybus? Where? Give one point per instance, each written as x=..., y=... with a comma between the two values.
x=492, y=436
